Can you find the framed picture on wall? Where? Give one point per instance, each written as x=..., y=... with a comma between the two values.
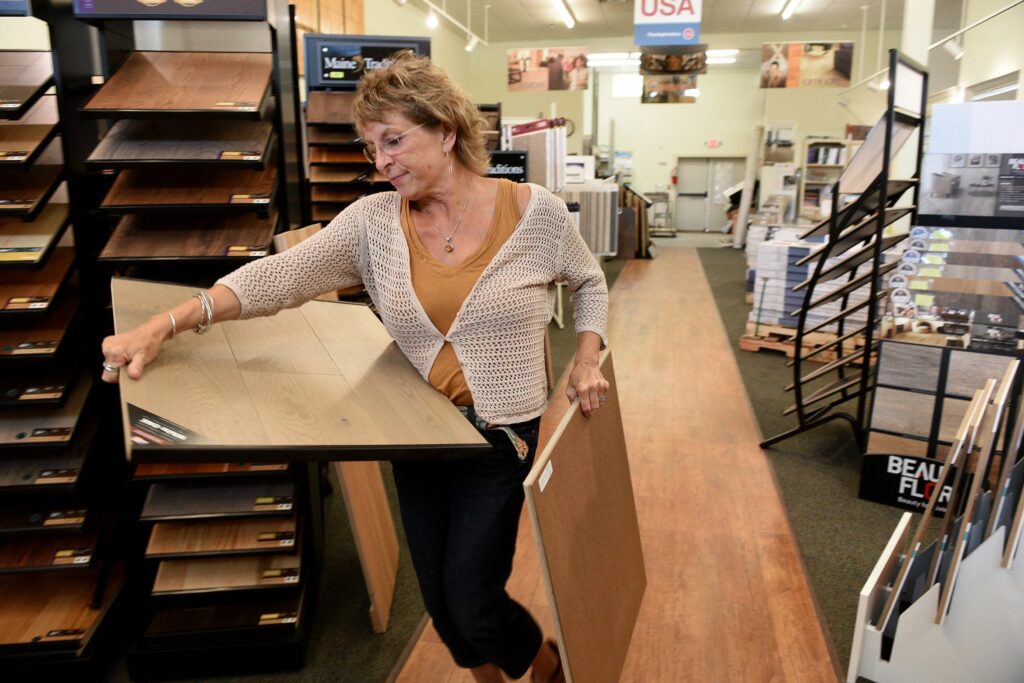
x=974, y=161
x=957, y=160
x=992, y=160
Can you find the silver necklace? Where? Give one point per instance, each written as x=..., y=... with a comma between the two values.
x=448, y=246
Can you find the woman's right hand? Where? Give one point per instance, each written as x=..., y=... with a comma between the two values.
x=134, y=349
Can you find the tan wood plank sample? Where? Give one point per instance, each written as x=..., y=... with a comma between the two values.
x=227, y=573
x=29, y=242
x=18, y=144
x=580, y=497
x=46, y=551
x=324, y=380
x=43, y=336
x=23, y=74
x=43, y=112
x=197, y=500
x=329, y=107
x=186, y=83
x=44, y=425
x=44, y=611
x=221, y=536
x=325, y=155
x=187, y=188
x=161, y=237
x=34, y=290
x=135, y=141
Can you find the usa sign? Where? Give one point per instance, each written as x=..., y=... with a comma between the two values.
x=666, y=22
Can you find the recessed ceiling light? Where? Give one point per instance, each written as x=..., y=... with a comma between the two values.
x=790, y=9
x=563, y=13
x=722, y=53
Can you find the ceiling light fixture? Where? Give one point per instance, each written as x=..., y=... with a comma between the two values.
x=473, y=42
x=722, y=53
x=954, y=49
x=1001, y=90
x=691, y=92
x=790, y=9
x=563, y=12
x=879, y=85
x=432, y=20
x=721, y=60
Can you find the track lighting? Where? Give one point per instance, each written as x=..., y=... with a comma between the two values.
x=790, y=9
x=563, y=12
x=879, y=85
x=473, y=42
x=953, y=48
x=432, y=21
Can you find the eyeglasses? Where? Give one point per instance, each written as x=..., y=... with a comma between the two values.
x=391, y=145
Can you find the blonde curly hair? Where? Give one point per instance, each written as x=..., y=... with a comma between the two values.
x=422, y=92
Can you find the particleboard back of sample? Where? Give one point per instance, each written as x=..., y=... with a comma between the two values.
x=323, y=381
x=580, y=497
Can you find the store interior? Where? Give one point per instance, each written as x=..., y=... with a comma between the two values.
x=815, y=286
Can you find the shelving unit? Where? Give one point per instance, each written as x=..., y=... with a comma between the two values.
x=823, y=162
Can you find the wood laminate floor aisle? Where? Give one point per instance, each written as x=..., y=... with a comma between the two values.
x=727, y=598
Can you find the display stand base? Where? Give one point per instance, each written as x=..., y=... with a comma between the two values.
x=979, y=639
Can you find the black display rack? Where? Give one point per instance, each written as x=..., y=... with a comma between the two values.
x=854, y=255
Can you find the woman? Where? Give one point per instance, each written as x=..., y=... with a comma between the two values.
x=579, y=73
x=461, y=268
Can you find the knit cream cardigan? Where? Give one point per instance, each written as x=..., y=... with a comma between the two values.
x=498, y=334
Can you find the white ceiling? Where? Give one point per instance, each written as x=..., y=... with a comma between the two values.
x=524, y=20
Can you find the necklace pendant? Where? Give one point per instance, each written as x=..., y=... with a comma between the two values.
x=449, y=248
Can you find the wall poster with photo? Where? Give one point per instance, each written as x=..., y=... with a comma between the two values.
x=806, y=65
x=676, y=60
x=972, y=190
x=669, y=90
x=548, y=68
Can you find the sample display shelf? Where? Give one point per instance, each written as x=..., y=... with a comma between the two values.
x=196, y=170
x=850, y=266
x=823, y=163
x=60, y=574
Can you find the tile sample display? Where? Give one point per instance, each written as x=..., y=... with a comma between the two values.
x=322, y=381
x=203, y=84
x=910, y=366
x=903, y=412
x=139, y=142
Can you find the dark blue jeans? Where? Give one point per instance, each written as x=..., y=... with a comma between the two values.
x=461, y=517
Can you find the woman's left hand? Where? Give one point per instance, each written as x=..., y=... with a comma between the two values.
x=587, y=382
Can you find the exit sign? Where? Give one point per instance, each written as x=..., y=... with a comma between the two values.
x=713, y=143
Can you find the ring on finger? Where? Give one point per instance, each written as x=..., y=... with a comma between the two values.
x=107, y=367
x=602, y=399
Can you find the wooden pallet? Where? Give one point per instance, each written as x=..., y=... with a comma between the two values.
x=781, y=340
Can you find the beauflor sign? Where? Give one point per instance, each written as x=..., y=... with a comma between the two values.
x=666, y=22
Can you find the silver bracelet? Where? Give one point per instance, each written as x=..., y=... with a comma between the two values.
x=174, y=324
x=205, y=313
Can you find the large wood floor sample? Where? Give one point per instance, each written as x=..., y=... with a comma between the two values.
x=158, y=189
x=23, y=75
x=148, y=237
x=227, y=573
x=221, y=536
x=30, y=242
x=34, y=290
x=324, y=381
x=131, y=142
x=184, y=83
x=727, y=596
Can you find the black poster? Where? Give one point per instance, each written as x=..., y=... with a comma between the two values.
x=254, y=10
x=903, y=481
x=14, y=8
x=1010, y=193
x=339, y=62
x=511, y=165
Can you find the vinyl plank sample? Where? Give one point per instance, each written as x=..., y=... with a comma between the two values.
x=909, y=366
x=329, y=136
x=323, y=381
x=52, y=611
x=162, y=189
x=41, y=517
x=140, y=237
x=253, y=618
x=32, y=387
x=969, y=371
x=24, y=192
x=24, y=75
x=953, y=411
x=44, y=425
x=46, y=551
x=204, y=469
x=227, y=573
x=35, y=290
x=185, y=83
x=329, y=107
x=196, y=500
x=39, y=337
x=137, y=142
x=903, y=412
x=889, y=444
x=19, y=145
x=221, y=537
x=29, y=243
x=323, y=155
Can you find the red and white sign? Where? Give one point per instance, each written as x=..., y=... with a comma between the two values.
x=666, y=22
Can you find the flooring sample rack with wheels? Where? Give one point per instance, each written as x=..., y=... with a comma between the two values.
x=850, y=266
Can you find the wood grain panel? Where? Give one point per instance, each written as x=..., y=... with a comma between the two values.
x=140, y=237
x=866, y=164
x=181, y=83
x=23, y=77
x=22, y=192
x=336, y=194
x=229, y=573
x=230, y=391
x=853, y=213
x=253, y=618
x=909, y=366
x=41, y=472
x=30, y=242
x=953, y=411
x=324, y=155
x=333, y=175
x=40, y=337
x=47, y=551
x=195, y=500
x=45, y=425
x=220, y=537
x=172, y=470
x=41, y=516
x=34, y=290
x=580, y=497
x=887, y=444
x=156, y=189
x=332, y=136
x=27, y=386
x=969, y=370
x=47, y=611
x=131, y=142
x=20, y=144
x=43, y=112
x=903, y=412
x=329, y=107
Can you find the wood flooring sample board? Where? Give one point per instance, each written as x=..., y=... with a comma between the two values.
x=320, y=382
x=580, y=497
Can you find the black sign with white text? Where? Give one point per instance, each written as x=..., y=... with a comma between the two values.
x=904, y=481
x=339, y=62
x=252, y=10
x=511, y=165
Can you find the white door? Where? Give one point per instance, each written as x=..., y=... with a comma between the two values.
x=700, y=202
